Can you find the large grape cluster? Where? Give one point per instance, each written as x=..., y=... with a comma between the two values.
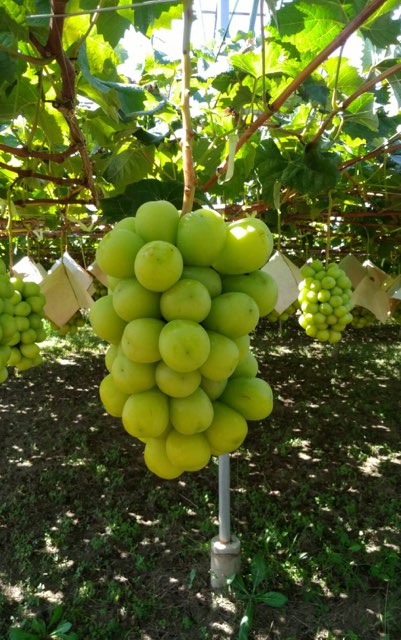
x=184, y=295
x=325, y=299
x=21, y=324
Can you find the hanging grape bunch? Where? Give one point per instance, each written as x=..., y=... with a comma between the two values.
x=362, y=317
x=325, y=299
x=21, y=326
x=28, y=313
x=184, y=295
x=71, y=326
x=289, y=312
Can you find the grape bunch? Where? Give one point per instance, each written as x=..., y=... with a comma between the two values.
x=325, y=300
x=28, y=313
x=184, y=295
x=71, y=326
x=21, y=326
x=289, y=312
x=362, y=317
x=99, y=289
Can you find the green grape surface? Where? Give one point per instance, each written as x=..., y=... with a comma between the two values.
x=178, y=330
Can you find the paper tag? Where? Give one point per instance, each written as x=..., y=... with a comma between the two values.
x=353, y=268
x=369, y=295
x=28, y=269
x=61, y=302
x=287, y=276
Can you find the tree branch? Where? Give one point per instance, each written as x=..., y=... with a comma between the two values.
x=369, y=10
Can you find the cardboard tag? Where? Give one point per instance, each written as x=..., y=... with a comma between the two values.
x=96, y=271
x=353, y=268
x=374, y=273
x=394, y=288
x=287, y=275
x=28, y=269
x=80, y=280
x=368, y=294
x=61, y=301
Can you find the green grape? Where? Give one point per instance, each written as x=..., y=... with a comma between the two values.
x=325, y=301
x=362, y=317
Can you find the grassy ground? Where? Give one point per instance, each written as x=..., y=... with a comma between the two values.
x=315, y=493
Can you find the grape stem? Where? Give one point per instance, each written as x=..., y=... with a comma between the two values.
x=187, y=134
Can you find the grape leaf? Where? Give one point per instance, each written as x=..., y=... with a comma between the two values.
x=269, y=164
x=311, y=25
x=127, y=203
x=130, y=164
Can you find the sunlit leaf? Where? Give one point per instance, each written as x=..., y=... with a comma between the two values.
x=130, y=164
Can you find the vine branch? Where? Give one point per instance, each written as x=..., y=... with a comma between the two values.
x=28, y=173
x=188, y=165
x=23, y=152
x=53, y=49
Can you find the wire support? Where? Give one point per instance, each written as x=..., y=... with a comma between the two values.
x=134, y=5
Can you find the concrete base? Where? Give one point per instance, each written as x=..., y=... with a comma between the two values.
x=225, y=561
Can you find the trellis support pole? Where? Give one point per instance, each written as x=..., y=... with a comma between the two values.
x=225, y=557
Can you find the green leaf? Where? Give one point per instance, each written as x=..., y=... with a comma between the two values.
x=62, y=629
x=20, y=634
x=314, y=173
x=362, y=112
x=248, y=62
x=55, y=616
x=156, y=16
x=346, y=77
x=131, y=163
x=113, y=29
x=269, y=164
x=258, y=570
x=245, y=624
x=272, y=599
x=381, y=29
x=315, y=90
x=311, y=25
x=127, y=203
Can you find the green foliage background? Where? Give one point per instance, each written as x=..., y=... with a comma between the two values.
x=87, y=147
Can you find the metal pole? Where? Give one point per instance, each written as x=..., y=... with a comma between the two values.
x=224, y=499
x=252, y=17
x=224, y=17
x=225, y=559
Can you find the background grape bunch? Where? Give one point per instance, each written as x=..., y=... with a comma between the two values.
x=21, y=323
x=325, y=299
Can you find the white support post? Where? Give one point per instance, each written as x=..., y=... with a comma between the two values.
x=225, y=548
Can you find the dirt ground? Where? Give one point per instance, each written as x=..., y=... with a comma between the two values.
x=315, y=489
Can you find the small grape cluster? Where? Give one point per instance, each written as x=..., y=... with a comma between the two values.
x=325, y=300
x=362, y=317
x=21, y=323
x=71, y=326
x=289, y=312
x=185, y=292
x=99, y=289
